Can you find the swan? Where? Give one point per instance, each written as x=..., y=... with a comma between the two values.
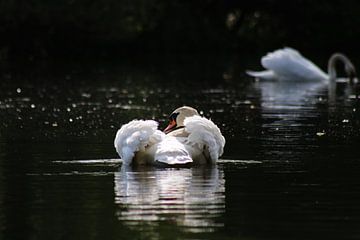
x=188, y=139
x=289, y=64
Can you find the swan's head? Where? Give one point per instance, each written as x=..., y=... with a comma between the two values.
x=348, y=65
x=177, y=117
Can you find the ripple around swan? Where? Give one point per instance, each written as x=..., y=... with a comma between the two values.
x=90, y=161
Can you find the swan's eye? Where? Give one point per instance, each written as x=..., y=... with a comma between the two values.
x=173, y=117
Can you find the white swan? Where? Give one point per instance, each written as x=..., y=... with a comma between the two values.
x=187, y=139
x=289, y=64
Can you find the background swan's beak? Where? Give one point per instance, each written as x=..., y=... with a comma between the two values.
x=171, y=125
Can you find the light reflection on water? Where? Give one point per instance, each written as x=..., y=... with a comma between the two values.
x=191, y=198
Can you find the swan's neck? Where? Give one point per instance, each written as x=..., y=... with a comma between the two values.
x=349, y=67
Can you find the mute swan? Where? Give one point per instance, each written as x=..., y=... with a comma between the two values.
x=189, y=138
x=289, y=64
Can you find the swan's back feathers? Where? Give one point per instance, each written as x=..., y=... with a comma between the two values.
x=204, y=132
x=135, y=136
x=170, y=151
x=287, y=63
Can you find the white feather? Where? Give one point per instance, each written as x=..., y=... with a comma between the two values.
x=136, y=136
x=267, y=74
x=171, y=151
x=289, y=64
x=206, y=134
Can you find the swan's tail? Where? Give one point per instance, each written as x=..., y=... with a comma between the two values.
x=171, y=152
x=266, y=75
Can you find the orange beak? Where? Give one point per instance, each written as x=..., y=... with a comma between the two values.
x=171, y=125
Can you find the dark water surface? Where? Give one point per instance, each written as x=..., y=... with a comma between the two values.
x=290, y=168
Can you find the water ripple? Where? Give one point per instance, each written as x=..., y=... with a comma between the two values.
x=191, y=198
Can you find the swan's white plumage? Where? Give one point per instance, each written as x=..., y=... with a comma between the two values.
x=206, y=134
x=267, y=74
x=289, y=64
x=136, y=136
x=198, y=142
x=172, y=151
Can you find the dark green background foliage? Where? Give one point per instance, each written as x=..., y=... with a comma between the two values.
x=43, y=29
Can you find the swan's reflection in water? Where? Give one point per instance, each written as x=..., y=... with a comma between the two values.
x=288, y=95
x=295, y=114
x=303, y=94
x=289, y=111
x=285, y=104
x=191, y=198
x=288, y=107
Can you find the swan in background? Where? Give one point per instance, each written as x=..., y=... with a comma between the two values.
x=189, y=138
x=289, y=64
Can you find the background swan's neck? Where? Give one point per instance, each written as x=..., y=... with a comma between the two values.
x=349, y=67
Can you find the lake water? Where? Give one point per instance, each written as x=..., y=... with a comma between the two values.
x=290, y=169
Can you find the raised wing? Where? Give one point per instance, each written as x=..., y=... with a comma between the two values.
x=287, y=63
x=203, y=131
x=135, y=136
